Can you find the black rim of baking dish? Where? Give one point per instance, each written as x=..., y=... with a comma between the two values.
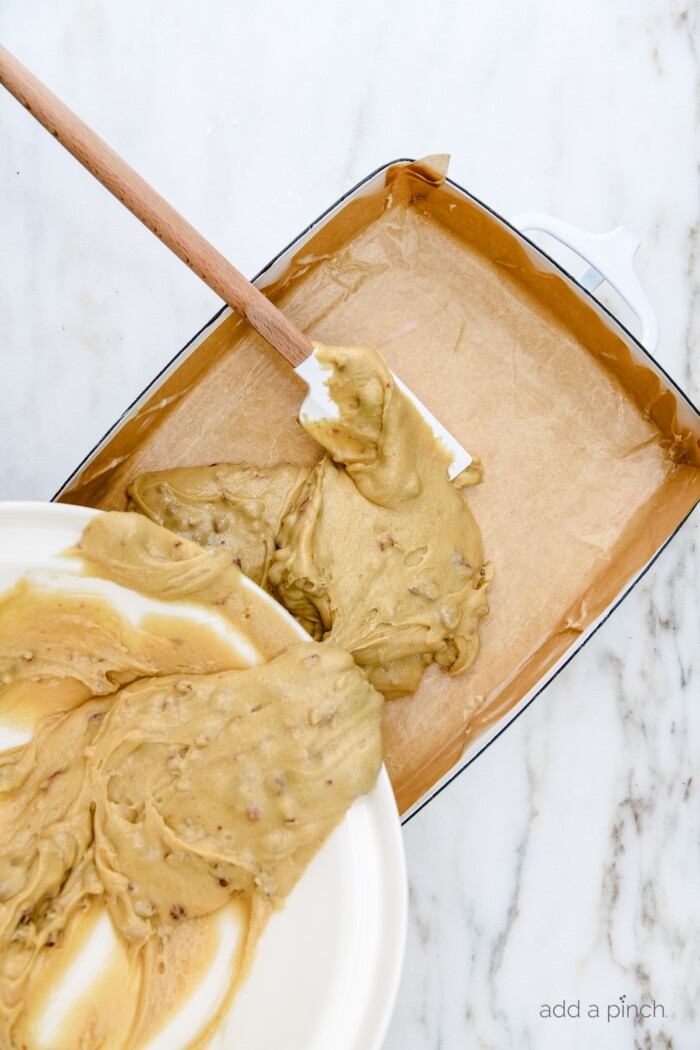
x=567, y=276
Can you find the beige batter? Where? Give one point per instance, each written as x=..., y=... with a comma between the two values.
x=165, y=799
x=376, y=550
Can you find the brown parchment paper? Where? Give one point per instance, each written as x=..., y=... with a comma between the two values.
x=587, y=471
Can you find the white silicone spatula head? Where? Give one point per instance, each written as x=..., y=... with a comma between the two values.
x=318, y=404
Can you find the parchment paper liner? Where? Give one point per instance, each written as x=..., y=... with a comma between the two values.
x=587, y=470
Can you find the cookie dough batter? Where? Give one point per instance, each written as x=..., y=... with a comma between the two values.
x=164, y=799
x=376, y=550
x=235, y=507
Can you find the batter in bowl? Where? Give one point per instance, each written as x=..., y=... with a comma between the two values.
x=162, y=800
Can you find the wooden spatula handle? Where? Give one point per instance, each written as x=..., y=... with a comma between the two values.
x=152, y=210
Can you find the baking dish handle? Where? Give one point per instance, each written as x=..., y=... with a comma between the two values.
x=610, y=257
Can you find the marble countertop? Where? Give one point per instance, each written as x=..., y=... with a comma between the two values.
x=564, y=865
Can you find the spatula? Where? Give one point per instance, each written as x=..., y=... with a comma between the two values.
x=193, y=249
